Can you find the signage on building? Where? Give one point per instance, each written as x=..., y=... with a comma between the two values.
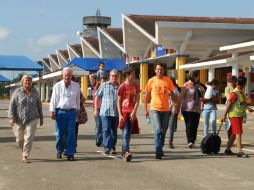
x=247, y=69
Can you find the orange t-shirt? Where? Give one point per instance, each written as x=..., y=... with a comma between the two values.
x=158, y=88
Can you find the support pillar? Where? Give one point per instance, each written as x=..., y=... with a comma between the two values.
x=211, y=74
x=47, y=99
x=84, y=86
x=42, y=91
x=203, y=76
x=180, y=60
x=119, y=80
x=143, y=80
x=235, y=69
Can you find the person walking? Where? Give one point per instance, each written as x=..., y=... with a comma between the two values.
x=107, y=92
x=211, y=98
x=172, y=123
x=64, y=104
x=98, y=125
x=127, y=104
x=228, y=91
x=190, y=103
x=236, y=111
x=157, y=89
x=25, y=112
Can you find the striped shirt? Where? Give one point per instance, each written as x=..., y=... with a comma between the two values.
x=23, y=108
x=108, y=95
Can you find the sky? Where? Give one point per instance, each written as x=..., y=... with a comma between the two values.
x=38, y=28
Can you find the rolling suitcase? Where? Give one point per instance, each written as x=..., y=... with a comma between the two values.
x=211, y=143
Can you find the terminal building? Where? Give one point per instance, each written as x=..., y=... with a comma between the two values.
x=217, y=47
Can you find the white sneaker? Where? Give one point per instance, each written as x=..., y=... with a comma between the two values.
x=190, y=145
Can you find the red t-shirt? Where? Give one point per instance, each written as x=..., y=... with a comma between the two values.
x=129, y=93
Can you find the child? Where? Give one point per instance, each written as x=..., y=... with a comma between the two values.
x=101, y=73
x=127, y=104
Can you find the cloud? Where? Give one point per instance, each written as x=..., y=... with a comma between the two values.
x=51, y=40
x=4, y=33
x=45, y=45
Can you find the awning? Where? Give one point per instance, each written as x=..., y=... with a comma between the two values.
x=91, y=64
x=18, y=63
x=3, y=79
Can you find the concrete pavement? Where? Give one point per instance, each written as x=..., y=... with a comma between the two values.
x=182, y=168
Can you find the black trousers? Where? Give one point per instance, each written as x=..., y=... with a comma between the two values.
x=191, y=120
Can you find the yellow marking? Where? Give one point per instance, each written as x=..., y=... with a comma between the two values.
x=218, y=121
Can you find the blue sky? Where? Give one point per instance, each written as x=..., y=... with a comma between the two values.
x=37, y=28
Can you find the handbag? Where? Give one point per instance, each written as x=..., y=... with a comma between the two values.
x=82, y=115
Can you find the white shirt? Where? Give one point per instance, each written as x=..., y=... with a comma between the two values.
x=65, y=98
x=209, y=92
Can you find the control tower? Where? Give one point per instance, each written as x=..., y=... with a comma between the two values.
x=91, y=23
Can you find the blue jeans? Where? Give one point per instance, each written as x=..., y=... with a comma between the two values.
x=172, y=125
x=126, y=135
x=207, y=115
x=65, y=125
x=160, y=125
x=98, y=129
x=109, y=129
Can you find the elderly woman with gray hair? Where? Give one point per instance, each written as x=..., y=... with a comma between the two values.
x=25, y=112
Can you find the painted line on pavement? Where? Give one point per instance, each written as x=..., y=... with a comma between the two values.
x=218, y=121
x=110, y=156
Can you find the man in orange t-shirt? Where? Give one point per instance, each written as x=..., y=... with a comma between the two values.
x=157, y=89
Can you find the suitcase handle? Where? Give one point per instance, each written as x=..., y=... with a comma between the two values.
x=220, y=127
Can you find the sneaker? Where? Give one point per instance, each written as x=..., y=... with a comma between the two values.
x=190, y=145
x=70, y=158
x=64, y=153
x=229, y=152
x=127, y=156
x=59, y=155
x=113, y=152
x=242, y=155
x=98, y=144
x=107, y=152
x=25, y=160
x=158, y=156
x=171, y=146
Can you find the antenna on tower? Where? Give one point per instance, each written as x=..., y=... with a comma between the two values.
x=98, y=12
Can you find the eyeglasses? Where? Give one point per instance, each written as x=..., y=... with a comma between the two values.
x=114, y=75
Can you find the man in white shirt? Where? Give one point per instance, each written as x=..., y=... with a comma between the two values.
x=64, y=104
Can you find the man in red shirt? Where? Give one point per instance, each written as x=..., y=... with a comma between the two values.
x=127, y=104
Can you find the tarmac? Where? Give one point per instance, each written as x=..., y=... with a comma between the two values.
x=181, y=168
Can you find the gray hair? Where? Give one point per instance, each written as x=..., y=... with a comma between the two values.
x=113, y=71
x=24, y=77
x=65, y=69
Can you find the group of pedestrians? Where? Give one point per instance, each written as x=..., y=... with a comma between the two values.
x=115, y=106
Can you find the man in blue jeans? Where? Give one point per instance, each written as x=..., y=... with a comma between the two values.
x=107, y=93
x=209, y=110
x=64, y=104
x=157, y=89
